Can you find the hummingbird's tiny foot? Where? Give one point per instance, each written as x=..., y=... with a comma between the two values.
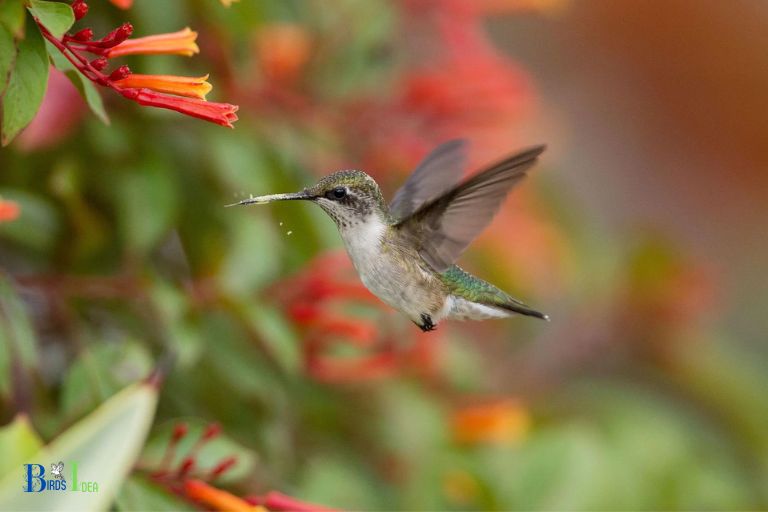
x=426, y=323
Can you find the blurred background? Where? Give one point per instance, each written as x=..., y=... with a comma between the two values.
x=641, y=233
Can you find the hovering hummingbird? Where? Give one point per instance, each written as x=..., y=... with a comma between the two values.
x=405, y=253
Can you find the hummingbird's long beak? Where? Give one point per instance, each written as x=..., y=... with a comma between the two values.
x=272, y=197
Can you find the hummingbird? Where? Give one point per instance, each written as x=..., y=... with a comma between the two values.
x=405, y=253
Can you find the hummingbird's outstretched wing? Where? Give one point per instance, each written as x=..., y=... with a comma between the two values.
x=443, y=227
x=440, y=170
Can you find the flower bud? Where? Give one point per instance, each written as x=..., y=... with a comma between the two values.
x=117, y=36
x=120, y=73
x=84, y=35
x=99, y=64
x=80, y=9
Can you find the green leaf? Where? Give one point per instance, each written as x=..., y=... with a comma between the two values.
x=147, y=200
x=7, y=56
x=207, y=456
x=26, y=86
x=57, y=17
x=99, y=372
x=18, y=442
x=104, y=445
x=38, y=225
x=12, y=16
x=85, y=87
x=139, y=494
x=18, y=345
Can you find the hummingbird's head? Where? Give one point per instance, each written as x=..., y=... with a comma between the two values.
x=347, y=196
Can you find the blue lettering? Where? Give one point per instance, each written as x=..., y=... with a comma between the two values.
x=31, y=476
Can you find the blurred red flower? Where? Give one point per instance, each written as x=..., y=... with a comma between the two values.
x=318, y=300
x=9, y=210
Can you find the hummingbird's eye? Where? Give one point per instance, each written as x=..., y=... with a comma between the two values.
x=337, y=193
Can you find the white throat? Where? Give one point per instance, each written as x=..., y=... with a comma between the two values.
x=363, y=240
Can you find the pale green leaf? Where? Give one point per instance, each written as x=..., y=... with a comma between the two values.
x=26, y=86
x=104, y=445
x=18, y=442
x=57, y=17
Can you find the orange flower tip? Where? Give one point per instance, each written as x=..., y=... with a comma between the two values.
x=9, y=210
x=122, y=4
x=217, y=499
x=191, y=87
x=181, y=42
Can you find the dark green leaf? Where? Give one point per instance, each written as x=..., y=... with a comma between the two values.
x=18, y=344
x=138, y=493
x=26, y=86
x=38, y=225
x=147, y=201
x=12, y=16
x=57, y=17
x=7, y=56
x=101, y=371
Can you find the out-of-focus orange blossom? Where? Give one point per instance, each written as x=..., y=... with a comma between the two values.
x=505, y=421
x=282, y=51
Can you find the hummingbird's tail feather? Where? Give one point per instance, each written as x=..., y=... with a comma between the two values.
x=521, y=309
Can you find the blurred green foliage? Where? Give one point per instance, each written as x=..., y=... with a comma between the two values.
x=124, y=259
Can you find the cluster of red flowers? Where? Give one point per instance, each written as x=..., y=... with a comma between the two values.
x=318, y=300
x=182, y=94
x=188, y=481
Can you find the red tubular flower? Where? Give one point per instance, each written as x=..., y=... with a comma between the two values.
x=280, y=502
x=173, y=43
x=185, y=94
x=220, y=113
x=191, y=87
x=115, y=37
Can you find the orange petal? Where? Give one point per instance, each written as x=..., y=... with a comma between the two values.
x=502, y=422
x=173, y=43
x=122, y=4
x=217, y=499
x=191, y=87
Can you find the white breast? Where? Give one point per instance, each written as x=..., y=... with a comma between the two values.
x=363, y=241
